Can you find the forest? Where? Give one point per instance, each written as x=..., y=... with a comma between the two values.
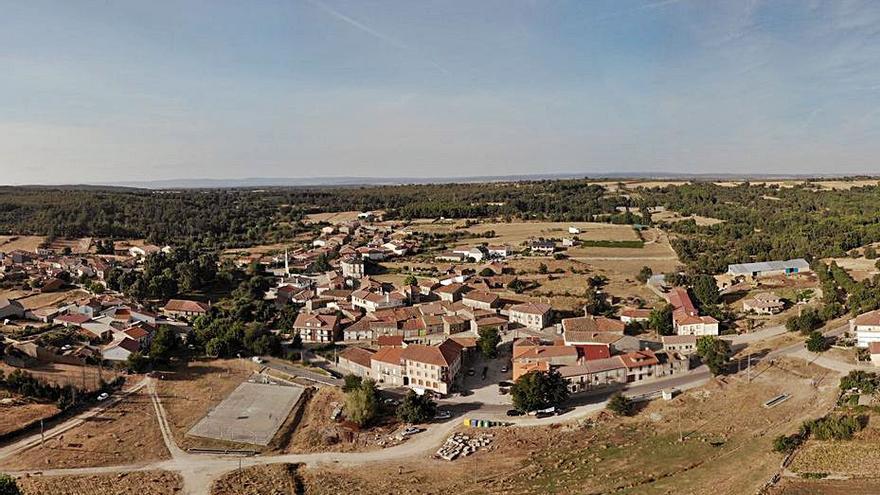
x=759, y=222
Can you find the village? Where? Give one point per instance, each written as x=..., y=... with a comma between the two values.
x=394, y=305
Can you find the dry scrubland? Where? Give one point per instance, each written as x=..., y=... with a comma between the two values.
x=18, y=411
x=137, y=483
x=276, y=479
x=857, y=458
x=727, y=448
x=82, y=377
x=316, y=432
x=672, y=216
x=125, y=433
x=52, y=299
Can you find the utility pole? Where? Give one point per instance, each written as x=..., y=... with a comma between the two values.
x=749, y=367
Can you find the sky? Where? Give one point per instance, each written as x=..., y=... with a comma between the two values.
x=118, y=90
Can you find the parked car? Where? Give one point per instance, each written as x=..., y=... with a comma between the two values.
x=543, y=414
x=257, y=359
x=514, y=412
x=504, y=369
x=443, y=414
x=471, y=372
x=410, y=430
x=103, y=396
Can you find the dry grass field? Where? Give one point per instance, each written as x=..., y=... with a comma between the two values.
x=726, y=449
x=672, y=216
x=52, y=299
x=794, y=486
x=857, y=458
x=28, y=243
x=17, y=411
x=126, y=433
x=136, y=483
x=191, y=391
x=332, y=217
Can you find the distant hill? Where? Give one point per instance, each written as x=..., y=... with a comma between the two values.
x=362, y=181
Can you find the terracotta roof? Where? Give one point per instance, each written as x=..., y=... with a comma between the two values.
x=481, y=296
x=442, y=355
x=871, y=318
x=544, y=352
x=358, y=355
x=390, y=355
x=389, y=341
x=678, y=339
x=307, y=320
x=680, y=300
x=531, y=308
x=593, y=324
x=465, y=342
x=639, y=358
x=184, y=305
x=449, y=289
x=874, y=347
x=136, y=333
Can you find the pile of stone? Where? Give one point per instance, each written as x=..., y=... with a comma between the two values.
x=463, y=445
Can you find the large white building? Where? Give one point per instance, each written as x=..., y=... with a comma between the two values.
x=769, y=268
x=866, y=328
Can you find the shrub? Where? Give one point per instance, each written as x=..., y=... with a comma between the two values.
x=620, y=405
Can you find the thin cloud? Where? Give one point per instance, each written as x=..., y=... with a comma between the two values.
x=373, y=32
x=647, y=6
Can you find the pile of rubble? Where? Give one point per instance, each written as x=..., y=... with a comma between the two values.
x=460, y=444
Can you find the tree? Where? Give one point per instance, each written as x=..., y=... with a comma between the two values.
x=542, y=269
x=536, y=390
x=137, y=362
x=816, y=342
x=661, y=320
x=164, y=344
x=620, y=405
x=416, y=408
x=517, y=286
x=488, y=342
x=786, y=444
x=8, y=485
x=870, y=253
x=486, y=272
x=644, y=274
x=297, y=341
x=352, y=382
x=706, y=290
x=410, y=280
x=714, y=352
x=362, y=403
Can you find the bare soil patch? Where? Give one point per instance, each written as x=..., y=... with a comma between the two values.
x=277, y=479
x=82, y=377
x=28, y=243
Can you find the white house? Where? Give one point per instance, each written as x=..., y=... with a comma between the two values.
x=531, y=315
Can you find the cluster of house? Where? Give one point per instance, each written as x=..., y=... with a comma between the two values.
x=595, y=352
x=765, y=303
x=352, y=240
x=112, y=329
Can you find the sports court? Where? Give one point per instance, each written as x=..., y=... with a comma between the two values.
x=252, y=413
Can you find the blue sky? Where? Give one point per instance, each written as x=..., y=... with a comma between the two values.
x=100, y=91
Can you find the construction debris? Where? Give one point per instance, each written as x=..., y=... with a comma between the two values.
x=463, y=445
